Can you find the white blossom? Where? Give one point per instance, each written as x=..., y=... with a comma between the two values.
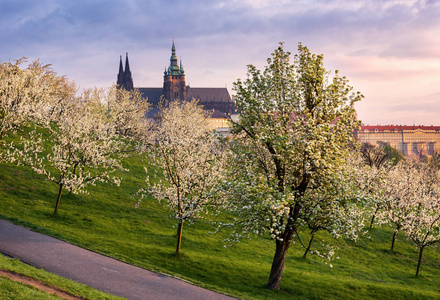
x=82, y=147
x=27, y=95
x=289, y=168
x=413, y=206
x=190, y=156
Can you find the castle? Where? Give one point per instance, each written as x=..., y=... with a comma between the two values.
x=174, y=87
x=410, y=140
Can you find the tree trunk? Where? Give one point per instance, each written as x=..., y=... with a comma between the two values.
x=74, y=173
x=394, y=239
x=372, y=220
x=309, y=246
x=278, y=264
x=179, y=235
x=420, y=261
x=59, y=198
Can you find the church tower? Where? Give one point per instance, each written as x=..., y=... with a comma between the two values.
x=120, y=81
x=174, y=87
x=125, y=79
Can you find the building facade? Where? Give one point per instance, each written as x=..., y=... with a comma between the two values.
x=410, y=140
x=174, y=87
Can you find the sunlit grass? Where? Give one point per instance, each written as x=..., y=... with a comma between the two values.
x=10, y=289
x=106, y=221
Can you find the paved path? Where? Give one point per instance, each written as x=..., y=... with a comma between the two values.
x=98, y=271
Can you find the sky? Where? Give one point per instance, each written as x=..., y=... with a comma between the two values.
x=388, y=50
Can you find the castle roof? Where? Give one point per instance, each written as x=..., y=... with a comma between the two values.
x=216, y=99
x=209, y=94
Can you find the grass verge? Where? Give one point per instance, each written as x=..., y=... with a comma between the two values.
x=106, y=221
x=21, y=281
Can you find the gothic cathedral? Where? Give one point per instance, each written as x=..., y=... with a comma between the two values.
x=174, y=87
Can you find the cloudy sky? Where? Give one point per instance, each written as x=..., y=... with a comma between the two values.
x=389, y=50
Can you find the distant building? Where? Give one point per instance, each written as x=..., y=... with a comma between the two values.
x=125, y=79
x=410, y=140
x=174, y=87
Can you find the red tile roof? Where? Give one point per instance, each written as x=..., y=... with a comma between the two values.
x=381, y=128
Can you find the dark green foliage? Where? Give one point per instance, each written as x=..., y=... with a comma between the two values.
x=393, y=155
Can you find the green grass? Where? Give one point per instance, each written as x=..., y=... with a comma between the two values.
x=10, y=289
x=106, y=221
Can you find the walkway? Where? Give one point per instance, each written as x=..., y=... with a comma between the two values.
x=98, y=271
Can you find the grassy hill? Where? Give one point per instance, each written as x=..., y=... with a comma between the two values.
x=106, y=221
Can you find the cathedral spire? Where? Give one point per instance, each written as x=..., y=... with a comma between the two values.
x=181, y=67
x=173, y=69
x=121, y=69
x=128, y=80
x=173, y=58
x=124, y=77
x=127, y=66
x=121, y=73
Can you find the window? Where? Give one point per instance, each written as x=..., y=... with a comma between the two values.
x=404, y=148
x=430, y=148
x=415, y=148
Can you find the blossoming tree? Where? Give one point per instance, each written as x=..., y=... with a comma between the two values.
x=336, y=208
x=294, y=132
x=413, y=194
x=400, y=195
x=189, y=156
x=127, y=111
x=85, y=144
x=378, y=160
x=27, y=94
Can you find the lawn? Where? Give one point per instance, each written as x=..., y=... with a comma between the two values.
x=106, y=221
